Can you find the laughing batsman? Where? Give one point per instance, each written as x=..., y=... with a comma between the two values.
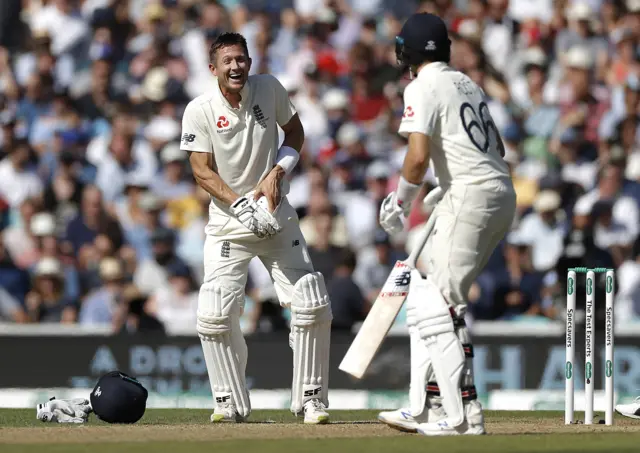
x=231, y=135
x=447, y=121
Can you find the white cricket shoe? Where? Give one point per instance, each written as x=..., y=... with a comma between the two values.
x=226, y=413
x=631, y=410
x=473, y=424
x=315, y=413
x=402, y=420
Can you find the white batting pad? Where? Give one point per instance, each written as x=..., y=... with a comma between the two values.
x=432, y=317
x=421, y=372
x=223, y=345
x=310, y=331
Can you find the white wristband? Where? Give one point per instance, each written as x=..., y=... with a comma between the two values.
x=406, y=191
x=287, y=158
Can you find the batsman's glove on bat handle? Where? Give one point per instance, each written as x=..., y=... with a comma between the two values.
x=75, y=410
x=254, y=217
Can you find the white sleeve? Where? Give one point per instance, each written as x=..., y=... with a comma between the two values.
x=194, y=130
x=420, y=115
x=284, y=107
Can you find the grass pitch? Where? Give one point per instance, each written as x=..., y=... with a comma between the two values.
x=185, y=430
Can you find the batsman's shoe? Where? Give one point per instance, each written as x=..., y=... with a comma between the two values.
x=473, y=424
x=226, y=413
x=315, y=413
x=631, y=410
x=402, y=419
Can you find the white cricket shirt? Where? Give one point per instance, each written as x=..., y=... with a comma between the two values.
x=449, y=107
x=244, y=141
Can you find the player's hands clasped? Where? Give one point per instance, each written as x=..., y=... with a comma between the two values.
x=253, y=216
x=392, y=215
x=269, y=187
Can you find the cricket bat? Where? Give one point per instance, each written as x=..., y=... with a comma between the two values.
x=384, y=310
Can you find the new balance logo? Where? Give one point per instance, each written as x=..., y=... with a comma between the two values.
x=403, y=279
x=188, y=138
x=259, y=116
x=312, y=392
x=225, y=250
x=98, y=392
x=223, y=399
x=295, y=243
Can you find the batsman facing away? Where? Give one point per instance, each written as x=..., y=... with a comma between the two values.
x=231, y=136
x=447, y=121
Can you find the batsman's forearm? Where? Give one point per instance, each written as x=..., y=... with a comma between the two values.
x=216, y=187
x=416, y=160
x=294, y=139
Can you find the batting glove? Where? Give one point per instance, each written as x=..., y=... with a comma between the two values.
x=392, y=215
x=254, y=217
x=75, y=410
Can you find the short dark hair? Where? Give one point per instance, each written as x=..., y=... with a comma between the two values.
x=227, y=39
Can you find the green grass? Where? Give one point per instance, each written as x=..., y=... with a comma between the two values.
x=184, y=430
x=27, y=417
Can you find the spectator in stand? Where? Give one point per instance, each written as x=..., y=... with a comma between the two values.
x=628, y=286
x=625, y=210
x=132, y=315
x=10, y=309
x=347, y=302
x=13, y=279
x=544, y=229
x=46, y=302
x=314, y=221
x=19, y=239
x=519, y=290
x=103, y=304
x=324, y=254
x=141, y=218
x=17, y=181
x=582, y=104
x=118, y=165
x=175, y=305
x=171, y=185
x=152, y=273
x=91, y=221
x=375, y=264
x=64, y=193
x=45, y=233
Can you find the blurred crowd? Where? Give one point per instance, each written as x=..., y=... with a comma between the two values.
x=102, y=222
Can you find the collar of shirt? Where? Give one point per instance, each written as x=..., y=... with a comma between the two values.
x=436, y=66
x=244, y=97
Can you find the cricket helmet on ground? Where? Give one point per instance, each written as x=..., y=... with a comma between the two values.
x=119, y=398
x=423, y=37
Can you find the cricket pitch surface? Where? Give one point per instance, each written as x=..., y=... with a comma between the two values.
x=186, y=430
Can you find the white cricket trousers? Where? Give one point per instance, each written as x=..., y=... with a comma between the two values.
x=470, y=222
x=230, y=246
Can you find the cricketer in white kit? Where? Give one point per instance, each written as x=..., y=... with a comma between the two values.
x=446, y=120
x=231, y=136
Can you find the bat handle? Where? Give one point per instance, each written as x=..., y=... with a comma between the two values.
x=422, y=240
